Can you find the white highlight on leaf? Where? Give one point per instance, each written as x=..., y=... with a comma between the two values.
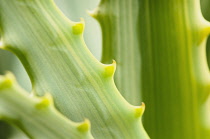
x=1, y=44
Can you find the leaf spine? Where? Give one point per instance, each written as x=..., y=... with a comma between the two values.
x=110, y=69
x=7, y=81
x=205, y=31
x=85, y=126
x=45, y=101
x=78, y=28
x=93, y=13
x=139, y=110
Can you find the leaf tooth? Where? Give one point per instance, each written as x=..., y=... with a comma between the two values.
x=45, y=102
x=109, y=70
x=78, y=28
x=84, y=126
x=7, y=81
x=100, y=12
x=205, y=31
x=94, y=13
x=139, y=110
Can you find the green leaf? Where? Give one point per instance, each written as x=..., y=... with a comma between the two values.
x=36, y=116
x=119, y=23
x=160, y=47
x=175, y=75
x=74, y=10
x=53, y=51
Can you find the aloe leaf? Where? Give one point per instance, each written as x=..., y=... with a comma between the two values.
x=165, y=41
x=175, y=74
x=53, y=51
x=119, y=23
x=36, y=116
x=9, y=62
x=74, y=10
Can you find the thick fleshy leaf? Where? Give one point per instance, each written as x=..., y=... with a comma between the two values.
x=53, y=51
x=160, y=46
x=36, y=116
x=119, y=23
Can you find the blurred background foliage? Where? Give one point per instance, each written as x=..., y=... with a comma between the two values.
x=74, y=10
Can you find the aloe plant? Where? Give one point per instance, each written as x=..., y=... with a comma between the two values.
x=159, y=46
x=53, y=51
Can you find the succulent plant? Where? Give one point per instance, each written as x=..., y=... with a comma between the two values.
x=156, y=47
